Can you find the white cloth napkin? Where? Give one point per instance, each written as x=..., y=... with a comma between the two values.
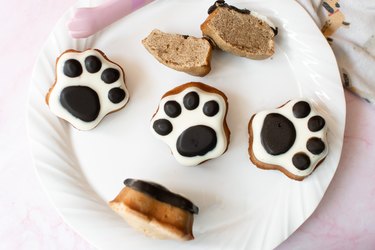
x=349, y=27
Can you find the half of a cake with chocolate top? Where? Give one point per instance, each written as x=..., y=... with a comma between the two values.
x=240, y=31
x=155, y=211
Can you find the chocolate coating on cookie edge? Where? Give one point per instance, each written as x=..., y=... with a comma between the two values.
x=162, y=194
x=222, y=3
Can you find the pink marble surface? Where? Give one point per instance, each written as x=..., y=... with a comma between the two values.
x=345, y=219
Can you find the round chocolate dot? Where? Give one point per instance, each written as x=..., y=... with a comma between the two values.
x=72, y=68
x=162, y=126
x=315, y=145
x=211, y=108
x=278, y=134
x=116, y=95
x=196, y=140
x=81, y=101
x=301, y=161
x=110, y=75
x=191, y=100
x=172, y=109
x=316, y=123
x=93, y=64
x=301, y=109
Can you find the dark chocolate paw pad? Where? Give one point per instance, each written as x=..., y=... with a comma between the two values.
x=88, y=87
x=292, y=137
x=192, y=123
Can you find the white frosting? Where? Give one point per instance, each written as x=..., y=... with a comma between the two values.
x=90, y=80
x=189, y=118
x=263, y=18
x=302, y=135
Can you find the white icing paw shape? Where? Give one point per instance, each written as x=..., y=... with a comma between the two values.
x=292, y=139
x=88, y=86
x=191, y=119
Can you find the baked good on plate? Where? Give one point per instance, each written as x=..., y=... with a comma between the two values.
x=155, y=211
x=291, y=138
x=240, y=31
x=87, y=87
x=191, y=120
x=180, y=52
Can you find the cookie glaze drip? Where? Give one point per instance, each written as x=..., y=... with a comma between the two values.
x=301, y=161
x=116, y=95
x=301, y=109
x=72, y=68
x=172, y=109
x=211, y=108
x=93, y=64
x=278, y=134
x=316, y=123
x=110, y=75
x=315, y=145
x=162, y=194
x=191, y=100
x=81, y=101
x=162, y=127
x=196, y=140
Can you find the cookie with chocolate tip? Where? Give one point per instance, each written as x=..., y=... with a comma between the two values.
x=154, y=210
x=88, y=86
x=292, y=139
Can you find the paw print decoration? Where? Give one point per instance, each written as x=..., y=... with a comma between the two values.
x=191, y=120
x=292, y=139
x=88, y=86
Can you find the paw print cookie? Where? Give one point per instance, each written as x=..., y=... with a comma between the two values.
x=88, y=86
x=191, y=120
x=292, y=139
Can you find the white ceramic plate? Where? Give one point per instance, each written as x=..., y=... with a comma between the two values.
x=241, y=206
